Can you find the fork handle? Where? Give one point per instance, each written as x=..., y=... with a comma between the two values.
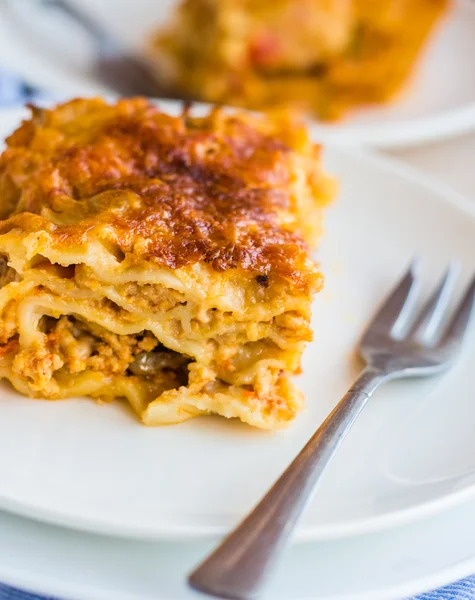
x=241, y=563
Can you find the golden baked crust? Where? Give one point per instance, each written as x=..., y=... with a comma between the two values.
x=323, y=56
x=157, y=258
x=174, y=190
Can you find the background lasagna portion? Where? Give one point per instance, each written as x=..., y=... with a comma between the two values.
x=324, y=56
x=159, y=259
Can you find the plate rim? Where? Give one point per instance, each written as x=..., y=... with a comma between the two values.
x=38, y=583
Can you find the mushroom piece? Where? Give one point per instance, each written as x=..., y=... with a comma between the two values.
x=150, y=363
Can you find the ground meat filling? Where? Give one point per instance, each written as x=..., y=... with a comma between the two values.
x=84, y=346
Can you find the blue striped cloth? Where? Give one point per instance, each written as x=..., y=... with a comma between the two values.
x=13, y=91
x=8, y=593
x=462, y=590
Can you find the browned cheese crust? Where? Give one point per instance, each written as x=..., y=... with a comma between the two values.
x=172, y=190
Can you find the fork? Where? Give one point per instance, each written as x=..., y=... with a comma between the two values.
x=396, y=344
x=126, y=73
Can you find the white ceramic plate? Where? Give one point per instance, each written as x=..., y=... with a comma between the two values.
x=385, y=566
x=54, y=55
x=411, y=453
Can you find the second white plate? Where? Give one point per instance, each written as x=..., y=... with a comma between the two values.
x=385, y=566
x=56, y=56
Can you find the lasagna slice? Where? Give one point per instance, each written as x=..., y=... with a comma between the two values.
x=159, y=259
x=323, y=56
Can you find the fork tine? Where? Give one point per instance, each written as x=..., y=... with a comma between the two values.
x=432, y=313
x=392, y=310
x=458, y=325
